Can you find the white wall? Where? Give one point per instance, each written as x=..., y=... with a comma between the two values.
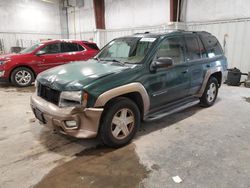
x=210, y=10
x=81, y=21
x=28, y=20
x=228, y=20
x=136, y=13
x=29, y=16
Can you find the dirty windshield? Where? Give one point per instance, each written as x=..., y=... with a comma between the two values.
x=126, y=50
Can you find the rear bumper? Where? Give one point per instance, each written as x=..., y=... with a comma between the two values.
x=87, y=120
x=224, y=76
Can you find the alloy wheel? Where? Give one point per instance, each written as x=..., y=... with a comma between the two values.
x=211, y=92
x=23, y=77
x=123, y=123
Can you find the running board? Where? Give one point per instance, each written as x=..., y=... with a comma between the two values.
x=171, y=110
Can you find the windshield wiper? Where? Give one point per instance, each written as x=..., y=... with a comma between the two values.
x=96, y=58
x=115, y=61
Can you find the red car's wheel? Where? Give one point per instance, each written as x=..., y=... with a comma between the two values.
x=22, y=77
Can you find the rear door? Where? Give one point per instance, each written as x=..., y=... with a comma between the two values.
x=196, y=59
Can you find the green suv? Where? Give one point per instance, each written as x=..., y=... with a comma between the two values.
x=132, y=79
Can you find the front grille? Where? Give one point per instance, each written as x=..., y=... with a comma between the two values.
x=48, y=94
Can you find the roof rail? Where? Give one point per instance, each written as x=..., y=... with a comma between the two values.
x=181, y=30
x=146, y=32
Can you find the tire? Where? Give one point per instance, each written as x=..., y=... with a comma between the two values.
x=22, y=77
x=115, y=131
x=210, y=93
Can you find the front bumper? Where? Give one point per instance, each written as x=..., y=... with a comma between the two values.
x=87, y=119
x=4, y=80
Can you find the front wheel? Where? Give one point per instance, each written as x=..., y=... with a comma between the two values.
x=210, y=94
x=22, y=77
x=120, y=122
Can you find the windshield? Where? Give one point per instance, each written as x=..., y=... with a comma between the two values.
x=30, y=49
x=126, y=50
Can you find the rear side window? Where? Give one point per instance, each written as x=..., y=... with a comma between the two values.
x=212, y=45
x=71, y=47
x=92, y=46
x=193, y=49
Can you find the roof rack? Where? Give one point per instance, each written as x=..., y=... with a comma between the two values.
x=146, y=32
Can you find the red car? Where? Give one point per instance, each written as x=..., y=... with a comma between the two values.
x=21, y=69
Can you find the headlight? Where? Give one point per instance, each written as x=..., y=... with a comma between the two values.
x=2, y=62
x=1, y=73
x=70, y=98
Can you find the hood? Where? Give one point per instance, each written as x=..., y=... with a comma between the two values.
x=77, y=75
x=12, y=56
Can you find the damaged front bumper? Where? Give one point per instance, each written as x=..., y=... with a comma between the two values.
x=78, y=122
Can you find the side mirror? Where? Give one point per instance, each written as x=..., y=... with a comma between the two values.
x=40, y=52
x=163, y=62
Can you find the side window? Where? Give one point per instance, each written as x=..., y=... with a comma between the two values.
x=173, y=48
x=80, y=48
x=212, y=45
x=202, y=48
x=52, y=48
x=71, y=47
x=193, y=49
x=92, y=46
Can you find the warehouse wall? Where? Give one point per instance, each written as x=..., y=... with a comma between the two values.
x=81, y=21
x=211, y=10
x=228, y=20
x=122, y=17
x=131, y=13
x=26, y=21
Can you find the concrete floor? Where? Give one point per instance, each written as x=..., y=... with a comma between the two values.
x=204, y=147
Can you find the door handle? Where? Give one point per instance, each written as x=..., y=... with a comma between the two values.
x=184, y=72
x=208, y=65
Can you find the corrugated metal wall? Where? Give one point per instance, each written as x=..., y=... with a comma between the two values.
x=233, y=35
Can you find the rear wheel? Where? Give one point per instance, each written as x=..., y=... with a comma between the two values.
x=22, y=77
x=120, y=122
x=210, y=94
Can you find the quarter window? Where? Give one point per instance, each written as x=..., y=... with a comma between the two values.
x=173, y=48
x=212, y=45
x=71, y=47
x=193, y=49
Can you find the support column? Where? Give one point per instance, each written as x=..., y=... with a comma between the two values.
x=99, y=8
x=175, y=9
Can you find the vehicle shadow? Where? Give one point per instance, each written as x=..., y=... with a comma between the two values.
x=97, y=161
x=62, y=144
x=149, y=127
x=10, y=88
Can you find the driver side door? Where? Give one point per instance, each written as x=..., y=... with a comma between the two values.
x=169, y=83
x=52, y=56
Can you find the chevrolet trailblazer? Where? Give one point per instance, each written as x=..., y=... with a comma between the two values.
x=135, y=78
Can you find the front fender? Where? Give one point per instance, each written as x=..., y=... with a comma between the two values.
x=122, y=90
